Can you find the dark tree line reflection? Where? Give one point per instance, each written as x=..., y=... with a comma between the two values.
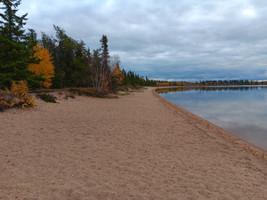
x=211, y=88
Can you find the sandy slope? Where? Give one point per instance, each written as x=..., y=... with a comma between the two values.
x=135, y=147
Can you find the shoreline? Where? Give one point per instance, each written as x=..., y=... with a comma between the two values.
x=250, y=147
x=140, y=146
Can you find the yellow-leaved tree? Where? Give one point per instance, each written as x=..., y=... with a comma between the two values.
x=118, y=75
x=45, y=67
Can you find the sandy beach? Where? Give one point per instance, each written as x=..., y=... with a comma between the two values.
x=139, y=146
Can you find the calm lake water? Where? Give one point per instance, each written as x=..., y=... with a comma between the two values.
x=239, y=110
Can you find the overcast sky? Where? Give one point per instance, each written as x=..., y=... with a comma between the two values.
x=171, y=40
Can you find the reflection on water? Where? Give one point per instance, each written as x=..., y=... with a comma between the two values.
x=240, y=110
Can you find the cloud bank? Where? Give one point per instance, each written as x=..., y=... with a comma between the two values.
x=175, y=40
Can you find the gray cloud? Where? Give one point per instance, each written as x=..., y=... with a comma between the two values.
x=183, y=39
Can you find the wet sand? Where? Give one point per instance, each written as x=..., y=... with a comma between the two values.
x=139, y=146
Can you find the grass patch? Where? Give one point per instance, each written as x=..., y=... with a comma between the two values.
x=123, y=94
x=112, y=97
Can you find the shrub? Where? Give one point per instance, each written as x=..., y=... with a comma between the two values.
x=88, y=92
x=19, y=89
x=16, y=97
x=3, y=105
x=7, y=99
x=47, y=98
x=27, y=101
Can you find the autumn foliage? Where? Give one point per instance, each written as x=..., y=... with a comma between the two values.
x=19, y=89
x=163, y=84
x=117, y=73
x=16, y=97
x=45, y=67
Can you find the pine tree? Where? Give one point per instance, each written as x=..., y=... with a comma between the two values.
x=15, y=53
x=105, y=67
x=99, y=66
x=105, y=53
x=125, y=77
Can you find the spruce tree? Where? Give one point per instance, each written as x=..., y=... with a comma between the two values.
x=105, y=53
x=105, y=67
x=15, y=48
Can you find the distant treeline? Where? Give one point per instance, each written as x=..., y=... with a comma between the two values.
x=209, y=88
x=56, y=61
x=212, y=83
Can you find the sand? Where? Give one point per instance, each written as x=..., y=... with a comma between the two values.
x=139, y=146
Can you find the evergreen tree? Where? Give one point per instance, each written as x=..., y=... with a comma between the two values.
x=99, y=66
x=80, y=76
x=105, y=54
x=70, y=58
x=15, y=50
x=32, y=38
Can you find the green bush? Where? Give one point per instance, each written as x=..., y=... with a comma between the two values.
x=47, y=98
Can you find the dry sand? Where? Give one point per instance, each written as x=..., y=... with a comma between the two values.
x=139, y=146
